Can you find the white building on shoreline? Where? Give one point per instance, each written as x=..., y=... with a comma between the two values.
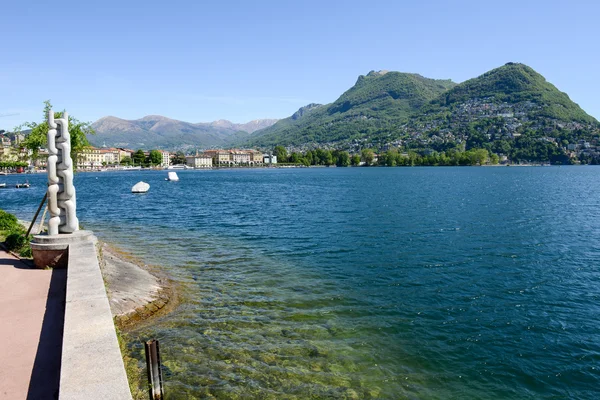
x=199, y=161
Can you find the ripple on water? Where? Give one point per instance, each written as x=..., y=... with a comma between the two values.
x=364, y=283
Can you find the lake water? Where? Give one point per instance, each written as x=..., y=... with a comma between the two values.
x=363, y=283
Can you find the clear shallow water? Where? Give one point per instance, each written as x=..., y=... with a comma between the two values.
x=365, y=282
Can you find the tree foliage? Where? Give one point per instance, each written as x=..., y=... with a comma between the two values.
x=367, y=155
x=139, y=157
x=395, y=157
x=281, y=153
x=38, y=137
x=179, y=158
x=155, y=157
x=12, y=164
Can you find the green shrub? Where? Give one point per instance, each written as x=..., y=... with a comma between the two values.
x=15, y=241
x=26, y=252
x=7, y=221
x=19, y=243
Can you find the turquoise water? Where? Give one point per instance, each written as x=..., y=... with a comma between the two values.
x=364, y=282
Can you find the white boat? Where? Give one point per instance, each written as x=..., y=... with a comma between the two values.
x=172, y=176
x=140, y=187
x=132, y=168
x=179, y=166
x=2, y=185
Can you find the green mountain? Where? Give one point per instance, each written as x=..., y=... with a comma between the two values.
x=375, y=103
x=511, y=110
x=516, y=83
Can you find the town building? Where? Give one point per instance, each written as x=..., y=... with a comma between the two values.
x=41, y=161
x=235, y=157
x=199, y=161
x=240, y=157
x=166, y=158
x=93, y=157
x=220, y=157
x=269, y=159
x=256, y=157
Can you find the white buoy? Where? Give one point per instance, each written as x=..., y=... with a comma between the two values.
x=172, y=176
x=140, y=187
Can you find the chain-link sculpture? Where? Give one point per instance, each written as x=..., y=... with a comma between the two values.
x=61, y=192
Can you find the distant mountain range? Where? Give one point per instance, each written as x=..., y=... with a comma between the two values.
x=510, y=110
x=158, y=132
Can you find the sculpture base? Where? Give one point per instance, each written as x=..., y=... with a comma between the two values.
x=52, y=251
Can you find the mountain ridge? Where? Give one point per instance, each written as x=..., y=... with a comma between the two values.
x=380, y=97
x=157, y=131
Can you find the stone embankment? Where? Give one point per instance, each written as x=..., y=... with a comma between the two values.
x=135, y=294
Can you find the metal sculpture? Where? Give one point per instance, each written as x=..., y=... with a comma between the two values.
x=61, y=192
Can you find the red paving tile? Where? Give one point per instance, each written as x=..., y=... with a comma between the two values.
x=23, y=298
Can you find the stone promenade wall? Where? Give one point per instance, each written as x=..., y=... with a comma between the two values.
x=92, y=365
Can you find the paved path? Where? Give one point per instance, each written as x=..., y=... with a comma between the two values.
x=31, y=303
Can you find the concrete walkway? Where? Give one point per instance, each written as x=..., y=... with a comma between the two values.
x=31, y=320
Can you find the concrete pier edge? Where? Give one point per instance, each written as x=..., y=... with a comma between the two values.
x=92, y=366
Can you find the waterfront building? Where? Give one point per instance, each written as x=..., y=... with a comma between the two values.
x=220, y=157
x=93, y=157
x=5, y=141
x=90, y=158
x=122, y=153
x=166, y=158
x=256, y=157
x=269, y=159
x=240, y=157
x=6, y=152
x=235, y=157
x=199, y=161
x=41, y=160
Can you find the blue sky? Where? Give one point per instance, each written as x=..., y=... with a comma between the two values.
x=201, y=61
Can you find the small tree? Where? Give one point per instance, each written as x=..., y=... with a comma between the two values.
x=281, y=153
x=309, y=157
x=368, y=156
x=355, y=160
x=139, y=157
x=343, y=159
x=327, y=158
x=179, y=158
x=38, y=137
x=391, y=157
x=155, y=157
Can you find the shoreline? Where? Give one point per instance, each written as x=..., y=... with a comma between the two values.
x=138, y=293
x=286, y=166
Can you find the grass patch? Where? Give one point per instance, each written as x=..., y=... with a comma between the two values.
x=7, y=221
